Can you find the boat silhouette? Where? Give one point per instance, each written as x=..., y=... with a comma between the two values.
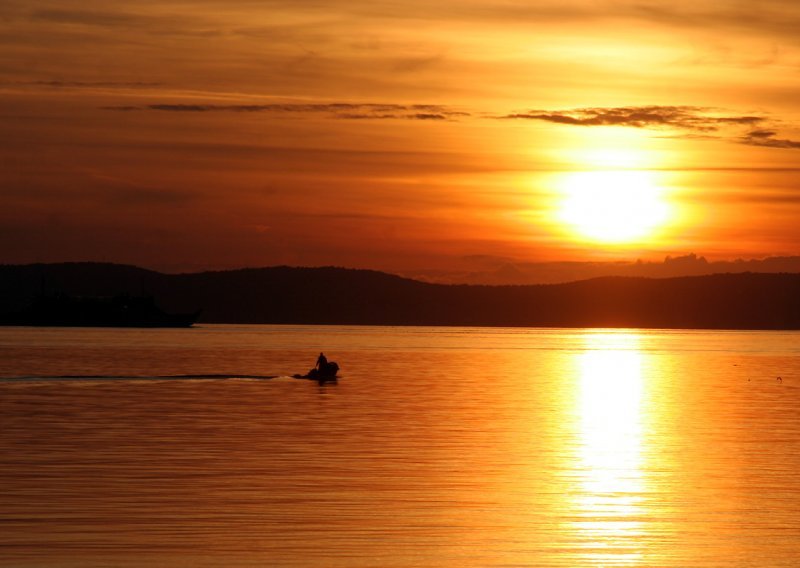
x=123, y=310
x=327, y=372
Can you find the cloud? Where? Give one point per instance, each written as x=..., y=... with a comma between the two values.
x=693, y=121
x=761, y=134
x=350, y=111
x=412, y=116
x=94, y=84
x=428, y=116
x=91, y=18
x=679, y=117
x=144, y=20
x=766, y=138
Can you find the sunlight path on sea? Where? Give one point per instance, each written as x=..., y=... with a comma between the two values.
x=609, y=407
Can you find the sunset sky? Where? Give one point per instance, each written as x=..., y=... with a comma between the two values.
x=398, y=136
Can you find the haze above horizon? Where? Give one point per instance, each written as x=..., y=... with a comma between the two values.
x=469, y=137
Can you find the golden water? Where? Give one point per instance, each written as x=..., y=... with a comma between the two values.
x=438, y=447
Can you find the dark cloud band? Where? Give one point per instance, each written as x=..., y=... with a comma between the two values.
x=689, y=119
x=351, y=111
x=680, y=117
x=766, y=139
x=694, y=121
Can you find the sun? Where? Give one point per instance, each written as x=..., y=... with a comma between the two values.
x=613, y=206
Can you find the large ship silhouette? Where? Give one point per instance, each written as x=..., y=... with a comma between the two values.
x=61, y=310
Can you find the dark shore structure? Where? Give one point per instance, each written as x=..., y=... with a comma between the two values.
x=117, y=311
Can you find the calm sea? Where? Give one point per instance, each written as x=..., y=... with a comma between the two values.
x=437, y=447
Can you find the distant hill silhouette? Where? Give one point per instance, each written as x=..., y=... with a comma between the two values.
x=347, y=296
x=491, y=270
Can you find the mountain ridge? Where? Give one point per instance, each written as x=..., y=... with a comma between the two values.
x=338, y=295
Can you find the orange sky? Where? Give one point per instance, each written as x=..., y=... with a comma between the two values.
x=393, y=135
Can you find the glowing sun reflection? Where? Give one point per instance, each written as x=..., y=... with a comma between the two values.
x=609, y=497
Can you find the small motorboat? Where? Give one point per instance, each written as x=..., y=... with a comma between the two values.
x=326, y=372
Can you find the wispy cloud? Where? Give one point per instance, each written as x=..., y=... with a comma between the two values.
x=692, y=121
x=56, y=84
x=89, y=17
x=678, y=117
x=143, y=21
x=349, y=111
x=767, y=139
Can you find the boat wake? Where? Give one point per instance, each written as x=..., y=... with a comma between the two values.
x=193, y=377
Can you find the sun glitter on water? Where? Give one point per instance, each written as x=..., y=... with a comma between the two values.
x=613, y=206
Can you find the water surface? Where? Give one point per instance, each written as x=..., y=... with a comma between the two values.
x=438, y=447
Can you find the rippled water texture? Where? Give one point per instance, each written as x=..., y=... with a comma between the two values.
x=437, y=447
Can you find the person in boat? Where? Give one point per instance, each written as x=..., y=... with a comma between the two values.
x=322, y=362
